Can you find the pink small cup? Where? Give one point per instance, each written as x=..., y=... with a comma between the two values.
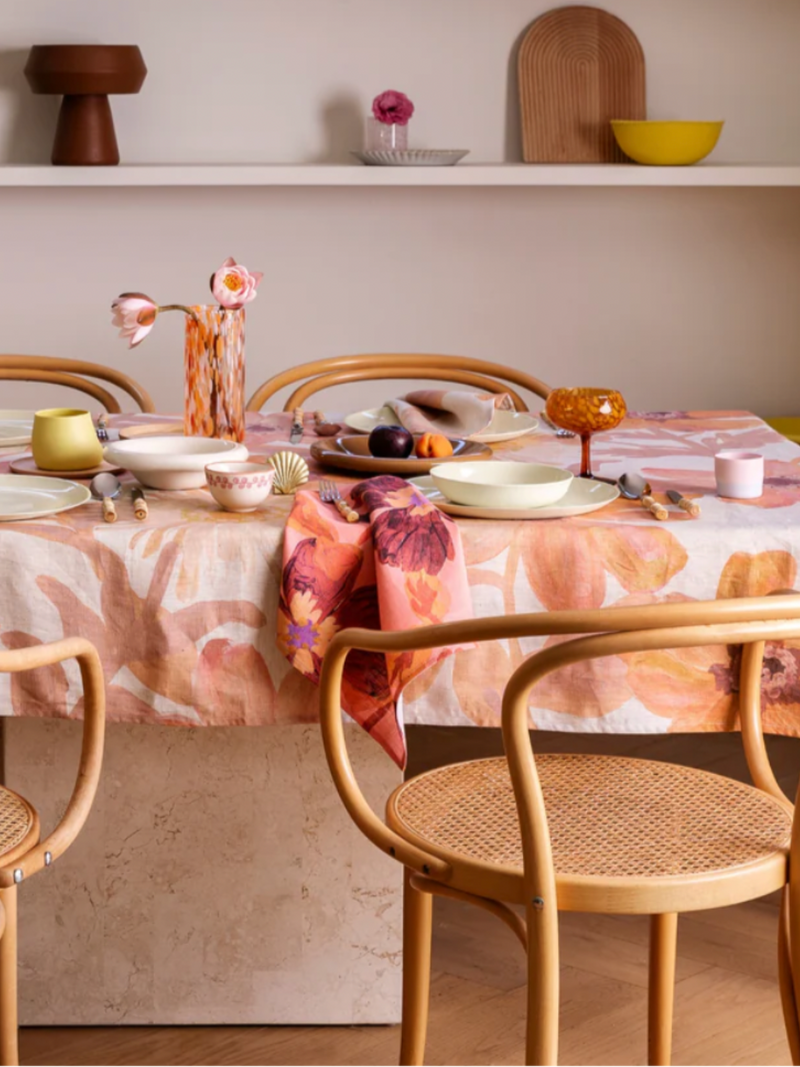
x=739, y=475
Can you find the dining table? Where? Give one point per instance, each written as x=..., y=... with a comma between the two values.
x=219, y=879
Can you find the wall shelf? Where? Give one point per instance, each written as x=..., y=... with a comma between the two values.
x=467, y=175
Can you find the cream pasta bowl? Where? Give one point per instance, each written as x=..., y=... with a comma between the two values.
x=173, y=462
x=501, y=484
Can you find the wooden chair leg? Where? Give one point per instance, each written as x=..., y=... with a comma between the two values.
x=417, y=932
x=9, y=1051
x=786, y=981
x=541, y=1042
x=663, y=948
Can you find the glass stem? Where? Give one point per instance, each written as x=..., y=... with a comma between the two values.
x=586, y=462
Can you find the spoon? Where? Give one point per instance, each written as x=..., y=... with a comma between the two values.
x=634, y=487
x=105, y=487
x=323, y=428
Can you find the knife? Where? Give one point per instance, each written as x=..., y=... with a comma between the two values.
x=688, y=506
x=296, y=433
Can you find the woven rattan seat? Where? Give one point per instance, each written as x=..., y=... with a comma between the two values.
x=19, y=823
x=610, y=819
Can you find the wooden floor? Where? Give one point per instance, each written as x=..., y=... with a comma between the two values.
x=727, y=1009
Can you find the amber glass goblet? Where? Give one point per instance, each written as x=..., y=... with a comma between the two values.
x=586, y=411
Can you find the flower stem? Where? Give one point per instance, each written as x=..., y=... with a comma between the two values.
x=179, y=307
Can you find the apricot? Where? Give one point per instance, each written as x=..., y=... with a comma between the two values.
x=433, y=446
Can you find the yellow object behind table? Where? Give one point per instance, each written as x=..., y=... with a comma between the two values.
x=788, y=425
x=666, y=144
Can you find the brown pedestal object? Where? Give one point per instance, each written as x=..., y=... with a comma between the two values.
x=85, y=74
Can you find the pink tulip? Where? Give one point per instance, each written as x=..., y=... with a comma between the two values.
x=135, y=315
x=392, y=108
x=233, y=285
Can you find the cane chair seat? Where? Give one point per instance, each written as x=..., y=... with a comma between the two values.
x=19, y=825
x=616, y=825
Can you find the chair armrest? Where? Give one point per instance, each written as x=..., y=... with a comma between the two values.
x=342, y=770
x=91, y=758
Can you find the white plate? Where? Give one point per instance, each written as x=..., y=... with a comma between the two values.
x=411, y=157
x=32, y=497
x=582, y=497
x=173, y=462
x=505, y=426
x=16, y=427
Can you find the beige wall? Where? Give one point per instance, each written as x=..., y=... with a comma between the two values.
x=684, y=297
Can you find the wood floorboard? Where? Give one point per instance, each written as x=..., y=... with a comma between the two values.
x=727, y=1007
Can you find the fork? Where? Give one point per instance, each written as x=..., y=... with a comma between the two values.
x=558, y=430
x=329, y=494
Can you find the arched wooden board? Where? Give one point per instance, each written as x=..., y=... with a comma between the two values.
x=579, y=67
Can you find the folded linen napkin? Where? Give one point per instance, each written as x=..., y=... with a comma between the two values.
x=453, y=412
x=402, y=568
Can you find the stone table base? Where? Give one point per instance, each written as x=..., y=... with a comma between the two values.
x=218, y=880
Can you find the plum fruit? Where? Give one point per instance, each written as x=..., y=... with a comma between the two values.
x=391, y=442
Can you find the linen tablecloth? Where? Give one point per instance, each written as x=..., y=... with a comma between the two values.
x=183, y=608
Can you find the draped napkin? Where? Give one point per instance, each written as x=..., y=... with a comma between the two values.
x=400, y=567
x=453, y=412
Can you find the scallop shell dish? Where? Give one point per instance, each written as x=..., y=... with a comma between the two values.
x=291, y=471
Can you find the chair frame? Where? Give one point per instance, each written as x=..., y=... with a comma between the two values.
x=611, y=631
x=338, y=370
x=22, y=862
x=67, y=372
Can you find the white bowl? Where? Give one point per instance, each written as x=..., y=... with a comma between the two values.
x=172, y=462
x=239, y=486
x=501, y=484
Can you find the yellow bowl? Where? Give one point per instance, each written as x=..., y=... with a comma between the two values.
x=65, y=439
x=666, y=144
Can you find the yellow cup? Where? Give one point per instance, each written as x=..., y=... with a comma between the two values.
x=65, y=439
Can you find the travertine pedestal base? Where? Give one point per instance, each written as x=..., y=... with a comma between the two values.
x=218, y=880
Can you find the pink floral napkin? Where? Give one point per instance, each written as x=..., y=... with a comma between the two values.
x=402, y=566
x=453, y=412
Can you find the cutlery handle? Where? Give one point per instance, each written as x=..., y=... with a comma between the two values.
x=658, y=511
x=346, y=511
x=319, y=417
x=139, y=506
x=690, y=507
x=109, y=511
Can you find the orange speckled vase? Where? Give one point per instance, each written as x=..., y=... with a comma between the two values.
x=214, y=373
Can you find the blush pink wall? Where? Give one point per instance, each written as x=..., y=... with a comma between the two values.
x=684, y=297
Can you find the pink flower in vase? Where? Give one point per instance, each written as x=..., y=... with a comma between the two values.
x=393, y=108
x=134, y=314
x=233, y=285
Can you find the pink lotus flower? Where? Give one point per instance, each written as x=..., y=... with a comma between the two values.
x=233, y=285
x=393, y=108
x=135, y=315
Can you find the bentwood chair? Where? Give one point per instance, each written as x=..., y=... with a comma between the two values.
x=21, y=851
x=464, y=370
x=75, y=374
x=581, y=832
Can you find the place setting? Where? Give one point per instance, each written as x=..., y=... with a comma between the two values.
x=441, y=440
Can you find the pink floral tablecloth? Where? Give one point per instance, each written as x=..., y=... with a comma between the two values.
x=184, y=607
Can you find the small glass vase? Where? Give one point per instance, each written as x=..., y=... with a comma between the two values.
x=214, y=373
x=384, y=136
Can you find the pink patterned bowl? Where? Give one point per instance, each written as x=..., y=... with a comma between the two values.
x=239, y=486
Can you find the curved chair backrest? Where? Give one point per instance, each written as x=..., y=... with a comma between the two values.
x=747, y=621
x=464, y=370
x=74, y=373
x=91, y=759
